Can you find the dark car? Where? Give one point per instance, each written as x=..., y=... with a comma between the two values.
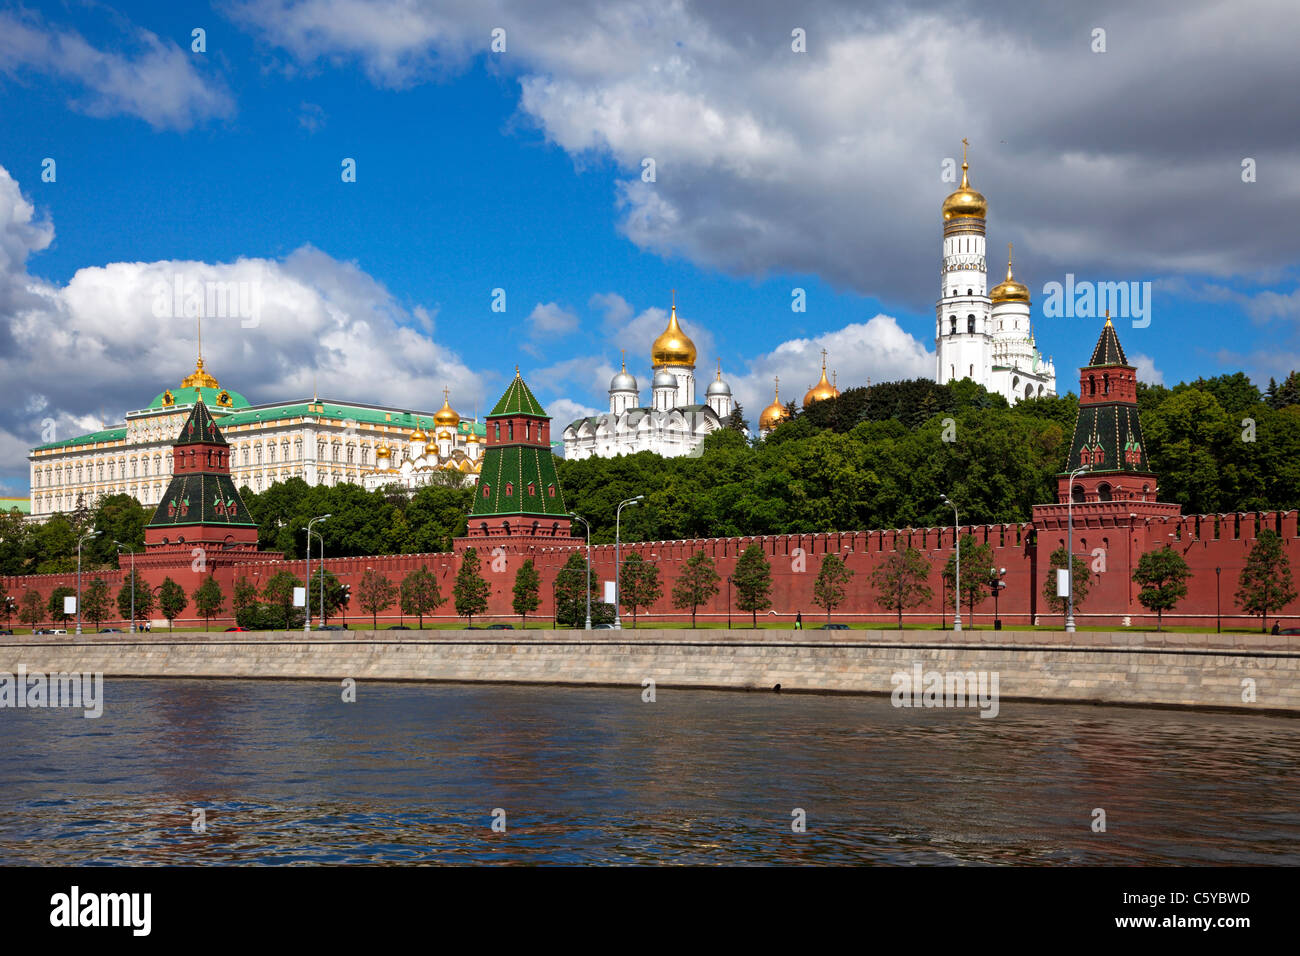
x=499, y=627
x=1286, y=630
x=331, y=627
x=842, y=627
x=110, y=630
x=398, y=627
x=5, y=630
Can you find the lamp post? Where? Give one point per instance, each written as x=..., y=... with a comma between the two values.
x=618, y=583
x=998, y=584
x=131, y=629
x=1069, y=546
x=1218, y=605
x=956, y=547
x=728, y=602
x=306, y=624
x=84, y=537
x=574, y=514
x=321, y=538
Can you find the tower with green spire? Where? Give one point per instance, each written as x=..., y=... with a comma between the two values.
x=201, y=507
x=518, y=499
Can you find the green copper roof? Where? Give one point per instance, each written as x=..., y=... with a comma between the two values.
x=107, y=435
x=206, y=498
x=359, y=414
x=188, y=396
x=21, y=505
x=518, y=400
x=1108, y=350
x=199, y=428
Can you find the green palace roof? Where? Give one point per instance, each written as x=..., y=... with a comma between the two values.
x=213, y=397
x=518, y=400
x=21, y=505
x=359, y=414
x=107, y=435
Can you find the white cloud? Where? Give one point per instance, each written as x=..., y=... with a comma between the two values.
x=551, y=319
x=92, y=349
x=563, y=411
x=159, y=82
x=1146, y=369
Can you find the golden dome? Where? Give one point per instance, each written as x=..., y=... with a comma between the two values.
x=1009, y=290
x=473, y=438
x=823, y=389
x=199, y=378
x=383, y=452
x=446, y=415
x=673, y=347
x=775, y=413
x=418, y=434
x=444, y=435
x=965, y=201
x=431, y=449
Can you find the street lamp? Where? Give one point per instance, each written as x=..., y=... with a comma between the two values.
x=1069, y=545
x=728, y=602
x=998, y=585
x=84, y=537
x=618, y=597
x=120, y=546
x=574, y=514
x=306, y=624
x=321, y=538
x=956, y=547
x=1218, y=605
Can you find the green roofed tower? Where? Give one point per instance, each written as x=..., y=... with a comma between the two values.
x=1107, y=432
x=518, y=499
x=201, y=506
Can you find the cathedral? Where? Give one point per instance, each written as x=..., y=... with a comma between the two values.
x=981, y=335
x=674, y=424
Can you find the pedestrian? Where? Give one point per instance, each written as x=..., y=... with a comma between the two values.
x=1277, y=627
x=798, y=620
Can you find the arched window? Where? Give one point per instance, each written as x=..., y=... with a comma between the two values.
x=1105, y=384
x=972, y=371
x=1092, y=385
x=510, y=426
x=952, y=323
x=498, y=427
x=1103, y=492
x=1029, y=391
x=970, y=324
x=1078, y=494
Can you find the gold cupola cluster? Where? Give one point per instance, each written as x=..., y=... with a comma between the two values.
x=965, y=202
x=823, y=389
x=673, y=346
x=1009, y=290
x=775, y=413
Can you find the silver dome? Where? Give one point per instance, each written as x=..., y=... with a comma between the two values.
x=665, y=379
x=718, y=387
x=623, y=382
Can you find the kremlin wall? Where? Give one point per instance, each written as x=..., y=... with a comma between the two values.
x=520, y=513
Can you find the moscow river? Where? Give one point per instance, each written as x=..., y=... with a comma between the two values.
x=285, y=772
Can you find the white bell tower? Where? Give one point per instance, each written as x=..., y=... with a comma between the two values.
x=963, y=314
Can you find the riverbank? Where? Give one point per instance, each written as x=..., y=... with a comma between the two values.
x=1256, y=673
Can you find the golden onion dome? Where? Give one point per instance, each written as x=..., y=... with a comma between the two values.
x=446, y=416
x=431, y=448
x=473, y=438
x=445, y=435
x=775, y=413
x=823, y=389
x=383, y=452
x=673, y=347
x=965, y=201
x=1009, y=290
x=418, y=434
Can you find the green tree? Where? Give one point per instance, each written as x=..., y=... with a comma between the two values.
x=375, y=593
x=56, y=603
x=30, y=609
x=209, y=600
x=171, y=601
x=333, y=593
x=697, y=584
x=901, y=582
x=976, y=570
x=570, y=596
x=1081, y=581
x=1265, y=583
x=245, y=595
x=470, y=590
x=420, y=594
x=277, y=594
x=144, y=598
x=96, y=602
x=638, y=585
x=528, y=584
x=1162, y=575
x=831, y=586
x=752, y=580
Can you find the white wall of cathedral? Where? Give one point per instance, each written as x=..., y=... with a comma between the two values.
x=669, y=434
x=622, y=400
x=721, y=405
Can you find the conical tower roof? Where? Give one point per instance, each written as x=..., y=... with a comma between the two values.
x=1108, y=350
x=200, y=428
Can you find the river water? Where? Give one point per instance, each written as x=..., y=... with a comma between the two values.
x=286, y=772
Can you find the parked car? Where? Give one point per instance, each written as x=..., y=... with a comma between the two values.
x=602, y=627
x=5, y=630
x=236, y=629
x=842, y=627
x=59, y=630
x=110, y=630
x=398, y=627
x=1286, y=630
x=499, y=627
x=331, y=627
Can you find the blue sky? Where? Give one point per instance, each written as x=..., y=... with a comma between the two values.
x=522, y=171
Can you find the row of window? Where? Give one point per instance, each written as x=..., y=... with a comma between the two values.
x=111, y=470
